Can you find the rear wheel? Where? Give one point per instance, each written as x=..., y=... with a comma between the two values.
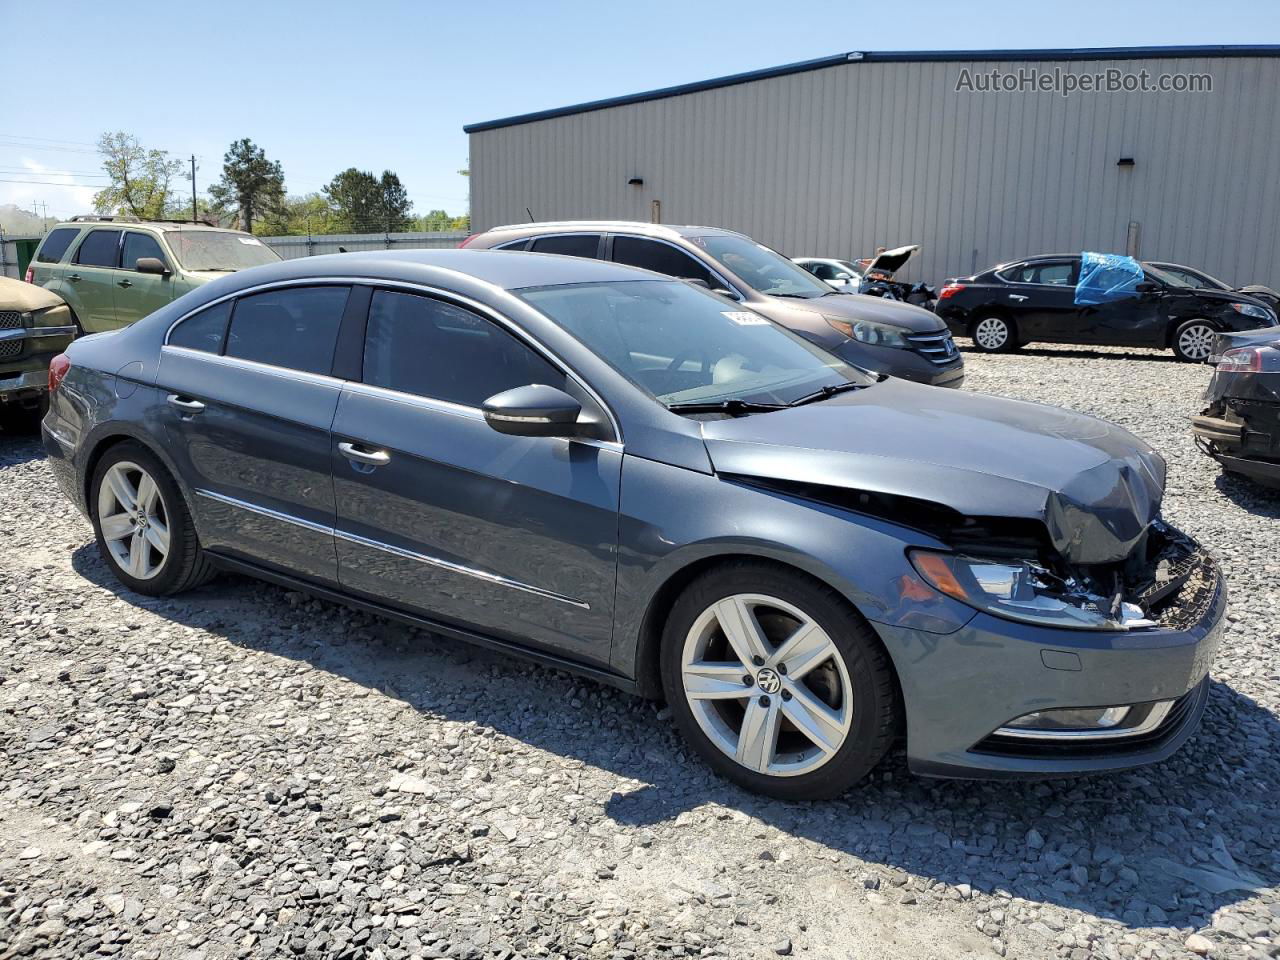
x=1193, y=341
x=994, y=334
x=777, y=682
x=142, y=523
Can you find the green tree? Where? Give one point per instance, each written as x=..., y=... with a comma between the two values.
x=251, y=186
x=300, y=216
x=396, y=207
x=364, y=203
x=140, y=178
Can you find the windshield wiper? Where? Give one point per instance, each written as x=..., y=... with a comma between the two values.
x=828, y=391
x=731, y=407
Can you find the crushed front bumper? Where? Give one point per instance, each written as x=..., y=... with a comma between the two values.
x=961, y=688
x=1243, y=436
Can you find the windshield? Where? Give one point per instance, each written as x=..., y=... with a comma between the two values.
x=214, y=250
x=1168, y=279
x=765, y=271
x=683, y=345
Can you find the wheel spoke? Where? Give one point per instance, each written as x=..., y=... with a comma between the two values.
x=117, y=526
x=805, y=649
x=715, y=681
x=147, y=491
x=824, y=726
x=122, y=490
x=758, y=738
x=158, y=536
x=741, y=629
x=138, y=555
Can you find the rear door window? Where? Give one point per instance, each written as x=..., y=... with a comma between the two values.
x=570, y=245
x=294, y=327
x=661, y=258
x=55, y=245
x=139, y=245
x=204, y=330
x=99, y=249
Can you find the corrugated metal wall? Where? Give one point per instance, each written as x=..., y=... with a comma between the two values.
x=841, y=160
x=292, y=247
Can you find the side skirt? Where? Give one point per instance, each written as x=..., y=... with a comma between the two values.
x=424, y=623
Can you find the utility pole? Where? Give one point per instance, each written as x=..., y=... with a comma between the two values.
x=194, y=215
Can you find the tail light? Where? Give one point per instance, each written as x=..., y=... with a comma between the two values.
x=30, y=276
x=58, y=369
x=1250, y=360
x=468, y=240
x=949, y=290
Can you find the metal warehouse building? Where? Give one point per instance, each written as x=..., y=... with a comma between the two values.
x=839, y=156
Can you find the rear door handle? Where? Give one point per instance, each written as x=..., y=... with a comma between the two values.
x=185, y=404
x=124, y=283
x=374, y=458
x=75, y=278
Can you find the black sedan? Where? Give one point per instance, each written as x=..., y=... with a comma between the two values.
x=1240, y=427
x=1033, y=300
x=1198, y=278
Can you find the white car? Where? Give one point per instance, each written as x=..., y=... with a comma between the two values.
x=839, y=274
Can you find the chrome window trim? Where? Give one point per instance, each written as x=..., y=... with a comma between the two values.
x=494, y=578
x=447, y=295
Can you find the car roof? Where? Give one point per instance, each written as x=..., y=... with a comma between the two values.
x=668, y=231
x=116, y=223
x=506, y=269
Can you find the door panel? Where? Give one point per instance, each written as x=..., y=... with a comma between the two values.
x=516, y=536
x=1132, y=322
x=1041, y=298
x=138, y=294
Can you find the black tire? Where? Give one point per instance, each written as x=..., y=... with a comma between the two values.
x=185, y=566
x=875, y=709
x=24, y=419
x=985, y=334
x=1192, y=341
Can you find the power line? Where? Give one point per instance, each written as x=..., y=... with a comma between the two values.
x=54, y=183
x=20, y=136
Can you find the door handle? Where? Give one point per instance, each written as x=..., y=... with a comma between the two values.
x=374, y=458
x=124, y=283
x=184, y=404
x=75, y=278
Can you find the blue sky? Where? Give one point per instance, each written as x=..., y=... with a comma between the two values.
x=380, y=84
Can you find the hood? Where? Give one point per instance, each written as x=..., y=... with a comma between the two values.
x=857, y=306
x=1095, y=487
x=891, y=261
x=23, y=297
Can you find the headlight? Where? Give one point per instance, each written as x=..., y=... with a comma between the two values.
x=1023, y=590
x=1252, y=310
x=865, y=331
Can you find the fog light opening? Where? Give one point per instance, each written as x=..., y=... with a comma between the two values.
x=1088, y=722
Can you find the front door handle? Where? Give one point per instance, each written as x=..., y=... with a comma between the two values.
x=185, y=404
x=374, y=458
x=124, y=283
x=75, y=278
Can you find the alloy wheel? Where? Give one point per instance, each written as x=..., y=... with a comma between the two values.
x=133, y=520
x=991, y=333
x=1196, y=341
x=767, y=685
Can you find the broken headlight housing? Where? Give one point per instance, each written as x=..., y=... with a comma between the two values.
x=1024, y=590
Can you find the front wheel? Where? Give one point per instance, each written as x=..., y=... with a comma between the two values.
x=777, y=682
x=143, y=527
x=1193, y=341
x=994, y=334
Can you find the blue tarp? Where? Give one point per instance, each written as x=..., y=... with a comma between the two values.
x=1105, y=277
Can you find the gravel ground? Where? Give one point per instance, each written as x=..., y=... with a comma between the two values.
x=246, y=772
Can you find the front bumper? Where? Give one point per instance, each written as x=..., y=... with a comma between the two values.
x=960, y=688
x=907, y=364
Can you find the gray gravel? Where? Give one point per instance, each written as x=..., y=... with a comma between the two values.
x=246, y=772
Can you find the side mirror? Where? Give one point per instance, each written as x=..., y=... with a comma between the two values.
x=533, y=411
x=150, y=265
x=1146, y=286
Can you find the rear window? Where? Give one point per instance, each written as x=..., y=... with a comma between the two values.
x=575, y=245
x=99, y=249
x=204, y=330
x=56, y=243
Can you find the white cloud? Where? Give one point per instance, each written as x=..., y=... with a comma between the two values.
x=64, y=194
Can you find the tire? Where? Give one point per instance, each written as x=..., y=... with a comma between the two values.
x=1193, y=341
x=715, y=695
x=994, y=334
x=20, y=419
x=181, y=564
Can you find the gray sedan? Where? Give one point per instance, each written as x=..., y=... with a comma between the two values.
x=633, y=478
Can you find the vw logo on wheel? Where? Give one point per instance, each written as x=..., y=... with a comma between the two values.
x=768, y=681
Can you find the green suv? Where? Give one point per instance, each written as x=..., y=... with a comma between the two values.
x=112, y=271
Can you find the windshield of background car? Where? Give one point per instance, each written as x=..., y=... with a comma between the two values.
x=1168, y=279
x=765, y=271
x=223, y=252
x=683, y=345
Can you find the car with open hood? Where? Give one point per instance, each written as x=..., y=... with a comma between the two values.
x=873, y=276
x=879, y=335
x=114, y=270
x=1110, y=301
x=1240, y=423
x=625, y=475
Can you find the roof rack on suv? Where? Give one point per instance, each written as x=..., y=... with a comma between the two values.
x=97, y=218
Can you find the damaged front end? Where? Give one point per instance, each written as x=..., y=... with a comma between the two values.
x=1240, y=424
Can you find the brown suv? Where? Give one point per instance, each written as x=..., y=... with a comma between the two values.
x=880, y=335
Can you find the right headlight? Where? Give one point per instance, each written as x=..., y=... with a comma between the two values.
x=1252, y=310
x=867, y=331
x=1022, y=590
